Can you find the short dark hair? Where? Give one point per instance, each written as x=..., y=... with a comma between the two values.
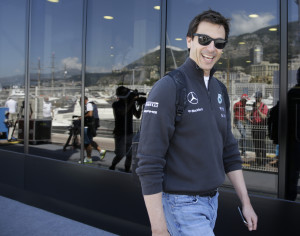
x=210, y=16
x=122, y=91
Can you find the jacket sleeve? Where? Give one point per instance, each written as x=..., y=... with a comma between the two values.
x=231, y=155
x=158, y=125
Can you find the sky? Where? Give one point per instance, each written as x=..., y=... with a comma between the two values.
x=56, y=29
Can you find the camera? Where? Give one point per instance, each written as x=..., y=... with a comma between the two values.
x=131, y=95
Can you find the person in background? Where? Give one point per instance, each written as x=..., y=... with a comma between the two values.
x=124, y=109
x=272, y=122
x=239, y=110
x=180, y=168
x=12, y=106
x=47, y=108
x=90, y=132
x=258, y=119
x=102, y=152
x=22, y=110
x=293, y=142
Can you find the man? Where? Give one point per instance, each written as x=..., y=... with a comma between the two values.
x=89, y=132
x=47, y=109
x=258, y=119
x=240, y=122
x=124, y=109
x=12, y=106
x=293, y=154
x=181, y=168
x=95, y=145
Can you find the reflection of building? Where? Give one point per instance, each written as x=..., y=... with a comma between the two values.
x=134, y=43
x=257, y=54
x=238, y=77
x=264, y=70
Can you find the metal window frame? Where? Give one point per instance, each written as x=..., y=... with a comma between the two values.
x=163, y=37
x=283, y=9
x=283, y=88
x=27, y=76
x=83, y=70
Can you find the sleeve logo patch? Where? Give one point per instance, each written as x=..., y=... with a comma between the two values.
x=152, y=104
x=220, y=98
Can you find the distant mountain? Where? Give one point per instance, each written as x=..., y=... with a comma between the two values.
x=148, y=66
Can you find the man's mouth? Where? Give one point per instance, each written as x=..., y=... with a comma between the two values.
x=207, y=57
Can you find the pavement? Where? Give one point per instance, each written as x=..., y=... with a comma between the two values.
x=17, y=218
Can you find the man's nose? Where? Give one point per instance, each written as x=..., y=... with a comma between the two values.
x=211, y=46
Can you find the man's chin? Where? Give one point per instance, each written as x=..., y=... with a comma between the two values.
x=206, y=68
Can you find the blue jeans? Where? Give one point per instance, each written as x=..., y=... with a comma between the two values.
x=190, y=215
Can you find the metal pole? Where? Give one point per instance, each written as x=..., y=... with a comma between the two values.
x=283, y=98
x=163, y=37
x=27, y=77
x=83, y=53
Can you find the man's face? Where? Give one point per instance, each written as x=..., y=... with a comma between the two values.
x=206, y=56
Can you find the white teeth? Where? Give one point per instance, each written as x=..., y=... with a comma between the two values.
x=209, y=57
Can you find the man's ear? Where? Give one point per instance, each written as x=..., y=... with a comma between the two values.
x=188, y=42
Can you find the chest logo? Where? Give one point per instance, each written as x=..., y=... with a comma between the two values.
x=219, y=98
x=192, y=98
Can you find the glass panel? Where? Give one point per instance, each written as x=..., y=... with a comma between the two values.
x=249, y=64
x=123, y=49
x=293, y=142
x=55, y=76
x=12, y=71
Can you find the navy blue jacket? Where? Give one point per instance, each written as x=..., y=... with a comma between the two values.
x=192, y=156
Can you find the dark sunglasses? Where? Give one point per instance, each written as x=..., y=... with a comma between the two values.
x=205, y=40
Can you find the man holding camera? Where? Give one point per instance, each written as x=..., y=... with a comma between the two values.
x=124, y=109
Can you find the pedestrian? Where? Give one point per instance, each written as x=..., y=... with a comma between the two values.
x=239, y=110
x=181, y=168
x=12, y=106
x=89, y=132
x=258, y=120
x=47, y=109
x=124, y=108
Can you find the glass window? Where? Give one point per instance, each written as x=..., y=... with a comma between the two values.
x=293, y=95
x=249, y=67
x=12, y=71
x=123, y=60
x=55, y=77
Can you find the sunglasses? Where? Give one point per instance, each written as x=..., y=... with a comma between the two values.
x=205, y=40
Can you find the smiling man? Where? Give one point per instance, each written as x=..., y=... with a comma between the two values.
x=182, y=163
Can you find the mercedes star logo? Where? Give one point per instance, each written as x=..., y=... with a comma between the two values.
x=192, y=98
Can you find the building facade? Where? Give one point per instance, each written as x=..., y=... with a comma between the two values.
x=53, y=52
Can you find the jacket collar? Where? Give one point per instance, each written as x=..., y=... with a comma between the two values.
x=190, y=62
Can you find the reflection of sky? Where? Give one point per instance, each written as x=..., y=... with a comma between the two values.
x=112, y=44
x=57, y=27
x=12, y=40
x=182, y=12
x=56, y=30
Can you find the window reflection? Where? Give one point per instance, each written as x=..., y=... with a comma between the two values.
x=123, y=49
x=55, y=76
x=12, y=72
